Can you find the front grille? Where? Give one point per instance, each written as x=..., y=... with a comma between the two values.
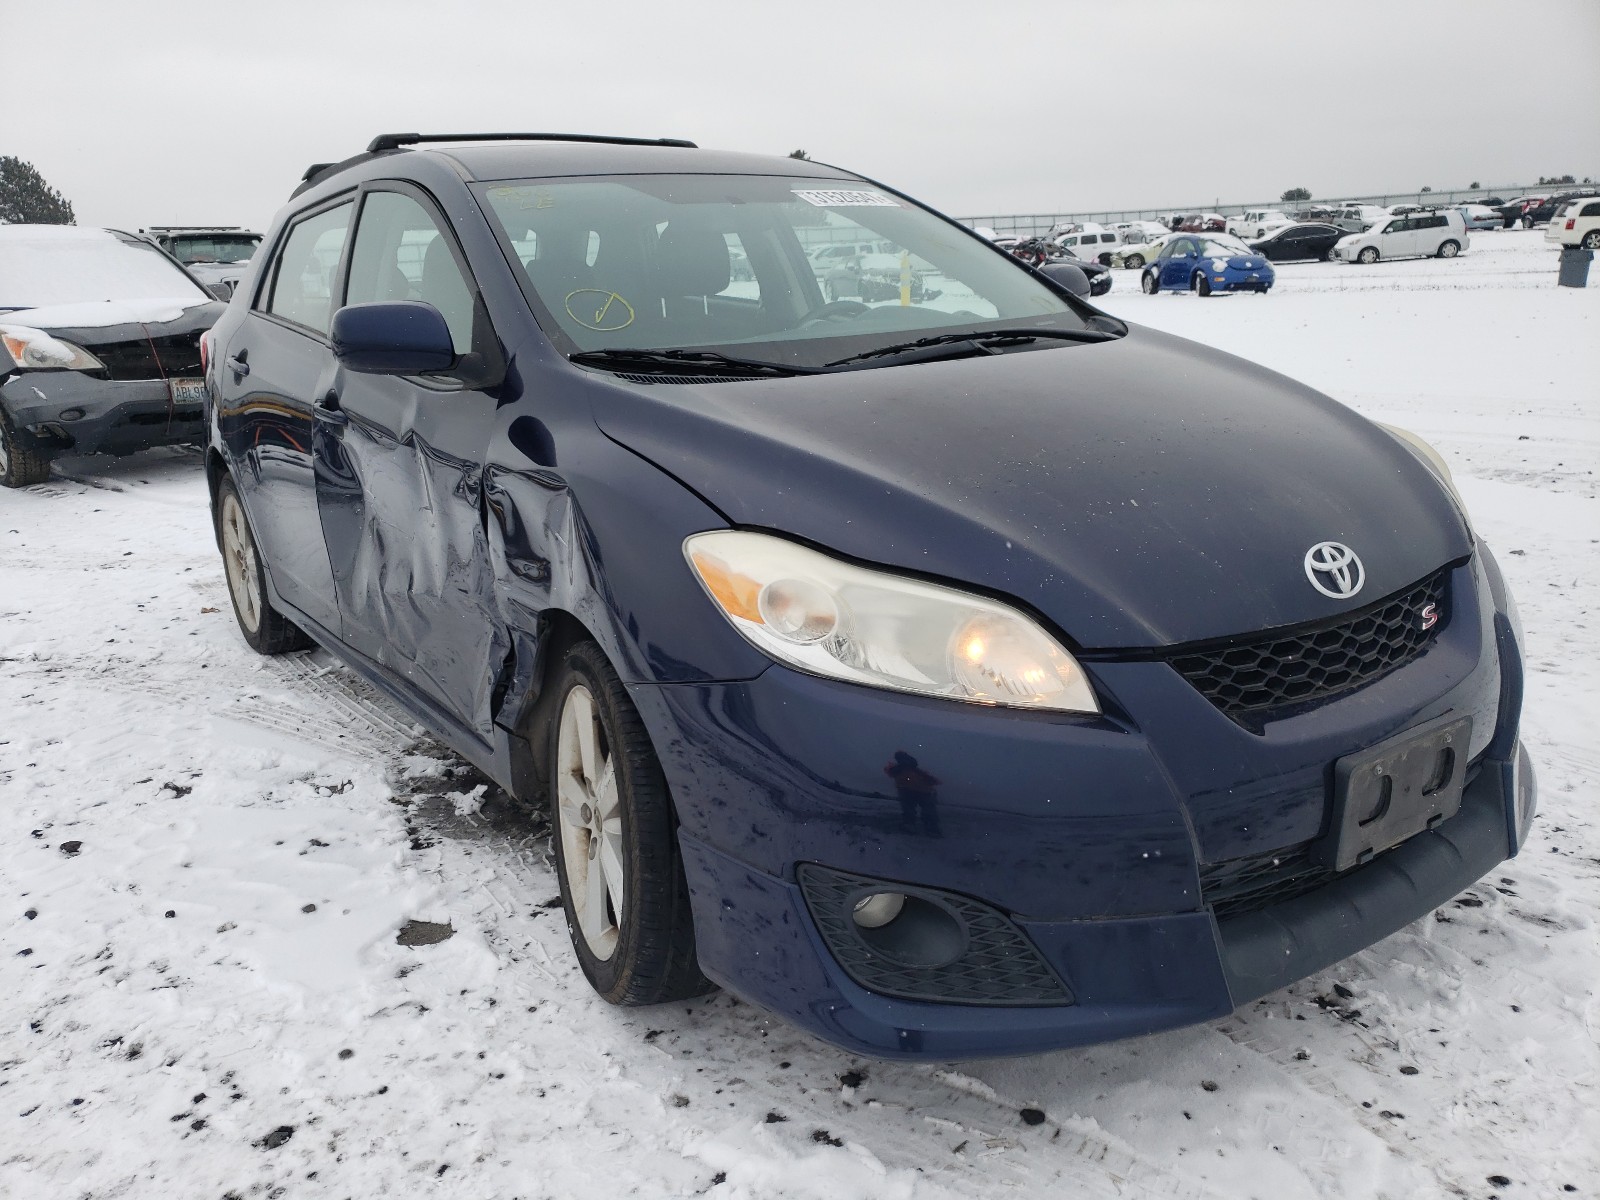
x=135, y=359
x=998, y=965
x=1259, y=881
x=1293, y=667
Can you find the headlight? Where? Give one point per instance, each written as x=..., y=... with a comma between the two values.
x=1431, y=458
x=37, y=350
x=870, y=627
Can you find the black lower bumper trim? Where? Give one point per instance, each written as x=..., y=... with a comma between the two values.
x=1271, y=948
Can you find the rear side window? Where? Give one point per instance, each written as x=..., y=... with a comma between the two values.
x=1591, y=210
x=400, y=253
x=303, y=276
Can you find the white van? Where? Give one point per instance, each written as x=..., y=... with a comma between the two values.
x=1093, y=245
x=1433, y=232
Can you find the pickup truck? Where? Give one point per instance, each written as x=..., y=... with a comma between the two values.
x=1358, y=218
x=1257, y=223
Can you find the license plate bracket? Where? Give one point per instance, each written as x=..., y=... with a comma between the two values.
x=187, y=391
x=1396, y=789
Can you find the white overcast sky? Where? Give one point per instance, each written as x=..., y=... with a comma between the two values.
x=207, y=111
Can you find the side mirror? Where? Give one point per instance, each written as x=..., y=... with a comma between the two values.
x=1068, y=275
x=395, y=337
x=222, y=291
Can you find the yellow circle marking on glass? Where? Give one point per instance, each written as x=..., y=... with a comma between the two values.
x=613, y=312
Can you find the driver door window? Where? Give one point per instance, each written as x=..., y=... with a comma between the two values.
x=401, y=254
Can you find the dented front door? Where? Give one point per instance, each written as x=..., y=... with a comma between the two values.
x=400, y=478
x=400, y=495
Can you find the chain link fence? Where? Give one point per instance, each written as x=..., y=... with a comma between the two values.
x=1035, y=224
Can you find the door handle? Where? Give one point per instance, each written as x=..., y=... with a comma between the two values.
x=329, y=411
x=238, y=365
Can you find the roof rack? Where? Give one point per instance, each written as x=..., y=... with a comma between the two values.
x=188, y=228
x=393, y=141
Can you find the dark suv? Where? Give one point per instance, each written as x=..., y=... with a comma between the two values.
x=957, y=672
x=99, y=347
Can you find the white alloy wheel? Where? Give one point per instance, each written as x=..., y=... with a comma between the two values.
x=589, y=822
x=239, y=558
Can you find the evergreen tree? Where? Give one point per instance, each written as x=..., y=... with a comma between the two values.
x=26, y=199
x=1296, y=194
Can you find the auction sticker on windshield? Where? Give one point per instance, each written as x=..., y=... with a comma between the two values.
x=831, y=198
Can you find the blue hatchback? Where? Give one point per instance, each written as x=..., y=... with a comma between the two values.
x=1206, y=266
x=964, y=672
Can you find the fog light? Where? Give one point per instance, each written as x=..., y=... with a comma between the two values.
x=71, y=414
x=878, y=909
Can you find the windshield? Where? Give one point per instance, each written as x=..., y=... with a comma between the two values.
x=45, y=265
x=1216, y=248
x=214, y=247
x=763, y=267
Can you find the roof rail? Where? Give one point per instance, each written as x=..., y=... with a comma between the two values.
x=171, y=228
x=393, y=141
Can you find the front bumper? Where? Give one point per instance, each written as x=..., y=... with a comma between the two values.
x=117, y=417
x=1090, y=835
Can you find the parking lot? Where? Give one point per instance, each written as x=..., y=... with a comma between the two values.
x=204, y=996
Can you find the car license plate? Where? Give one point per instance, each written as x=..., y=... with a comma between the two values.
x=1396, y=789
x=187, y=391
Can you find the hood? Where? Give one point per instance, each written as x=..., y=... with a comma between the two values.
x=1137, y=493
x=115, y=315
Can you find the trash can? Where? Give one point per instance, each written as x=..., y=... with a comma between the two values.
x=1575, y=262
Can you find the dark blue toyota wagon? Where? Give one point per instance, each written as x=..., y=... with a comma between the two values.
x=953, y=668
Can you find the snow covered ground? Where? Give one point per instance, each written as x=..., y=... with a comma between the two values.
x=205, y=858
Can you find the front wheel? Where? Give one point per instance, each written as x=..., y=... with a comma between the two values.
x=1133, y=261
x=1149, y=284
x=1591, y=240
x=1200, y=284
x=1368, y=256
x=19, y=466
x=616, y=846
x=265, y=629
x=1449, y=250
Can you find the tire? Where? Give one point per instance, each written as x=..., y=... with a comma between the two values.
x=1200, y=285
x=1133, y=261
x=1148, y=284
x=265, y=629
x=616, y=843
x=1449, y=249
x=1591, y=240
x=19, y=465
x=1368, y=256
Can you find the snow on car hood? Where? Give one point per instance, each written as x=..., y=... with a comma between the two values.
x=1139, y=493
x=103, y=313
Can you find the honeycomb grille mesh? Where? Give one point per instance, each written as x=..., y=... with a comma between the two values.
x=136, y=359
x=1291, y=667
x=999, y=967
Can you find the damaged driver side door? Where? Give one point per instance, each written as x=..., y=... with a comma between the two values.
x=400, y=476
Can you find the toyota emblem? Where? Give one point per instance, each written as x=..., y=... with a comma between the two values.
x=1334, y=570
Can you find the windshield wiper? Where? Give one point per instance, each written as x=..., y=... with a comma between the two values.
x=974, y=341
x=688, y=361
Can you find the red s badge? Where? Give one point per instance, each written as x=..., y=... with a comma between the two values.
x=1430, y=616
